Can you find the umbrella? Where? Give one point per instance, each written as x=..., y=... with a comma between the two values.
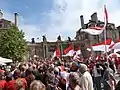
x=5, y=60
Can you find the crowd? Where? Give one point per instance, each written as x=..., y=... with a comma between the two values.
x=59, y=74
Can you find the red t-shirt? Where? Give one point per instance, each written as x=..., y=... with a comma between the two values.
x=2, y=84
x=11, y=85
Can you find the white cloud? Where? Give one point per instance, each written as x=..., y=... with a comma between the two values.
x=31, y=31
x=64, y=17
x=65, y=14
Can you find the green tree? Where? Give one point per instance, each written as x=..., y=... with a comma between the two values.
x=12, y=44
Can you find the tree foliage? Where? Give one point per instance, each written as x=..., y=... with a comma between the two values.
x=13, y=44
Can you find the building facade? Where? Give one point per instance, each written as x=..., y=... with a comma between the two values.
x=89, y=40
x=46, y=49
x=42, y=49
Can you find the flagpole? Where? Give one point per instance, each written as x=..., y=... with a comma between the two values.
x=105, y=31
x=105, y=38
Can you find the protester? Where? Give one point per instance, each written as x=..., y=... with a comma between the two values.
x=37, y=85
x=86, y=81
x=109, y=81
x=74, y=81
x=97, y=76
x=59, y=75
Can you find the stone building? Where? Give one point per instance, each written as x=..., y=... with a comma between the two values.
x=112, y=31
x=87, y=39
x=118, y=28
x=5, y=24
x=43, y=49
x=46, y=49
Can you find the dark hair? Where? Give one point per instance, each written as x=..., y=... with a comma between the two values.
x=17, y=74
x=28, y=71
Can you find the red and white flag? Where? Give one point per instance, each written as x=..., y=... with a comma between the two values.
x=77, y=53
x=94, y=30
x=101, y=46
x=115, y=45
x=98, y=57
x=56, y=53
x=97, y=29
x=69, y=51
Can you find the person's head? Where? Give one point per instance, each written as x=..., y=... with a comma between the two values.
x=19, y=84
x=29, y=71
x=83, y=68
x=13, y=66
x=9, y=77
x=17, y=74
x=37, y=85
x=97, y=65
x=73, y=79
x=23, y=68
x=56, y=70
x=74, y=66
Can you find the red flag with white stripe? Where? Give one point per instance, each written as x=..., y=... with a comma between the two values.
x=101, y=46
x=94, y=30
x=56, y=53
x=115, y=45
x=69, y=51
x=77, y=53
x=97, y=29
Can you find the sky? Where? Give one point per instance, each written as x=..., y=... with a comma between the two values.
x=57, y=17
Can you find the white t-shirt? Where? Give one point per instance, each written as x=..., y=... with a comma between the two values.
x=96, y=74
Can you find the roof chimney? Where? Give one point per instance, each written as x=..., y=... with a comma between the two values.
x=16, y=19
x=94, y=17
x=82, y=21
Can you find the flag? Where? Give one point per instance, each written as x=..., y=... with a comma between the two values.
x=97, y=29
x=77, y=53
x=56, y=53
x=98, y=57
x=101, y=46
x=116, y=50
x=94, y=30
x=106, y=15
x=69, y=51
x=115, y=45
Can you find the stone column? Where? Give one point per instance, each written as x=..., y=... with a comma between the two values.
x=45, y=47
x=45, y=50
